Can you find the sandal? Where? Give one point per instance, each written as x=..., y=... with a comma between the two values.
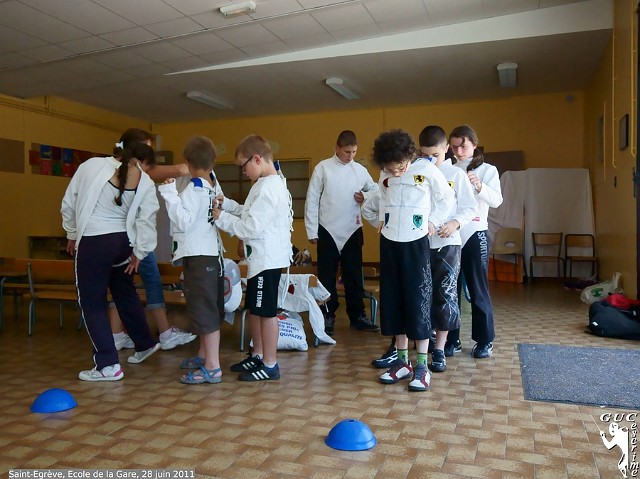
x=201, y=376
x=192, y=363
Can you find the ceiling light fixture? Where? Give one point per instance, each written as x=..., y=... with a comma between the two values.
x=341, y=87
x=235, y=9
x=209, y=100
x=507, y=74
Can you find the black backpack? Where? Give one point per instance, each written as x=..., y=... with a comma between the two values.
x=611, y=322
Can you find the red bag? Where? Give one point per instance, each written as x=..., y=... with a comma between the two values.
x=620, y=301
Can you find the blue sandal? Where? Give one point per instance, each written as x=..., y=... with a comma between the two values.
x=201, y=376
x=192, y=363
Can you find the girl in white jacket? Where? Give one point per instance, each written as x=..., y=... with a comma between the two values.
x=109, y=213
x=475, y=242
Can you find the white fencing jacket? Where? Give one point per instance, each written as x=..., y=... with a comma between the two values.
x=82, y=194
x=192, y=228
x=410, y=201
x=264, y=223
x=463, y=210
x=490, y=196
x=330, y=200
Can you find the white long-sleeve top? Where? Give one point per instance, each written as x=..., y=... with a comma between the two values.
x=82, y=194
x=463, y=210
x=192, y=228
x=263, y=223
x=330, y=200
x=489, y=196
x=410, y=201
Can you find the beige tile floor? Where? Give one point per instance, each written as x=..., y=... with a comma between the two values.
x=473, y=423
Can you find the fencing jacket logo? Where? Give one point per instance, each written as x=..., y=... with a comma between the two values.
x=417, y=221
x=418, y=179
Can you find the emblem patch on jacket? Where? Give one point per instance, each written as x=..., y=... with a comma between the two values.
x=386, y=218
x=451, y=183
x=248, y=248
x=418, y=179
x=417, y=221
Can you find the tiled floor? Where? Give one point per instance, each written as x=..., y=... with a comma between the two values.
x=473, y=423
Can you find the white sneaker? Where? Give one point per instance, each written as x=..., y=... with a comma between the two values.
x=108, y=373
x=139, y=356
x=177, y=337
x=125, y=342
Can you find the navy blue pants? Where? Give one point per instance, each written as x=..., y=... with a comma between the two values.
x=406, y=289
x=474, y=264
x=350, y=260
x=95, y=274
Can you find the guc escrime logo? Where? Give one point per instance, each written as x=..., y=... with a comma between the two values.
x=622, y=433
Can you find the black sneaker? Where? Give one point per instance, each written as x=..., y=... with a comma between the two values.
x=263, y=373
x=387, y=359
x=438, y=361
x=452, y=348
x=329, y=323
x=482, y=350
x=364, y=324
x=251, y=363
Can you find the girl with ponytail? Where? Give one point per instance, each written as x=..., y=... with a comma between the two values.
x=474, y=259
x=109, y=213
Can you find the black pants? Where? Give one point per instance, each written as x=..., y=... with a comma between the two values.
x=350, y=260
x=95, y=273
x=474, y=264
x=406, y=288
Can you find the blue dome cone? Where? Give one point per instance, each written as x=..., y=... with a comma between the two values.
x=53, y=400
x=350, y=435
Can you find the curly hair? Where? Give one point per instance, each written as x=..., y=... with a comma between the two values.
x=393, y=147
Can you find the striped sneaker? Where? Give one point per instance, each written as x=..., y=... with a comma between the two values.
x=261, y=374
x=400, y=370
x=387, y=360
x=247, y=365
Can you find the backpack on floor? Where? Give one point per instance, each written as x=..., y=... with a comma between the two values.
x=611, y=322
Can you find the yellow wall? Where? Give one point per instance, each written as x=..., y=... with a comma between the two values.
x=534, y=124
x=31, y=202
x=545, y=127
x=610, y=95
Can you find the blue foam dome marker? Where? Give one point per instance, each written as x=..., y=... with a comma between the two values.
x=350, y=435
x=53, y=400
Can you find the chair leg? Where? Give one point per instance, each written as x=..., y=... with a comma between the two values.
x=243, y=316
x=525, y=277
x=32, y=316
x=60, y=315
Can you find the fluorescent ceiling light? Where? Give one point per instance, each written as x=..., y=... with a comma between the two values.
x=235, y=9
x=341, y=87
x=507, y=74
x=209, y=100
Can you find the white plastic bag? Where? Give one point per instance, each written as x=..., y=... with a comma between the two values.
x=291, y=333
x=599, y=291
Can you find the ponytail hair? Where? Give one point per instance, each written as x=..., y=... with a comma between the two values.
x=468, y=134
x=129, y=137
x=139, y=151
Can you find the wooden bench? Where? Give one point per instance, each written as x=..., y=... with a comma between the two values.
x=54, y=280
x=50, y=280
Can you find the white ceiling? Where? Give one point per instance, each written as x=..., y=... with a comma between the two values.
x=122, y=55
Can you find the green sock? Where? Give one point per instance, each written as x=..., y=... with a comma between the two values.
x=422, y=358
x=403, y=354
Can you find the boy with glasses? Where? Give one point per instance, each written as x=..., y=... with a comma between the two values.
x=264, y=224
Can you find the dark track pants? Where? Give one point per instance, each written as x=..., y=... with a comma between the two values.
x=95, y=273
x=475, y=268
